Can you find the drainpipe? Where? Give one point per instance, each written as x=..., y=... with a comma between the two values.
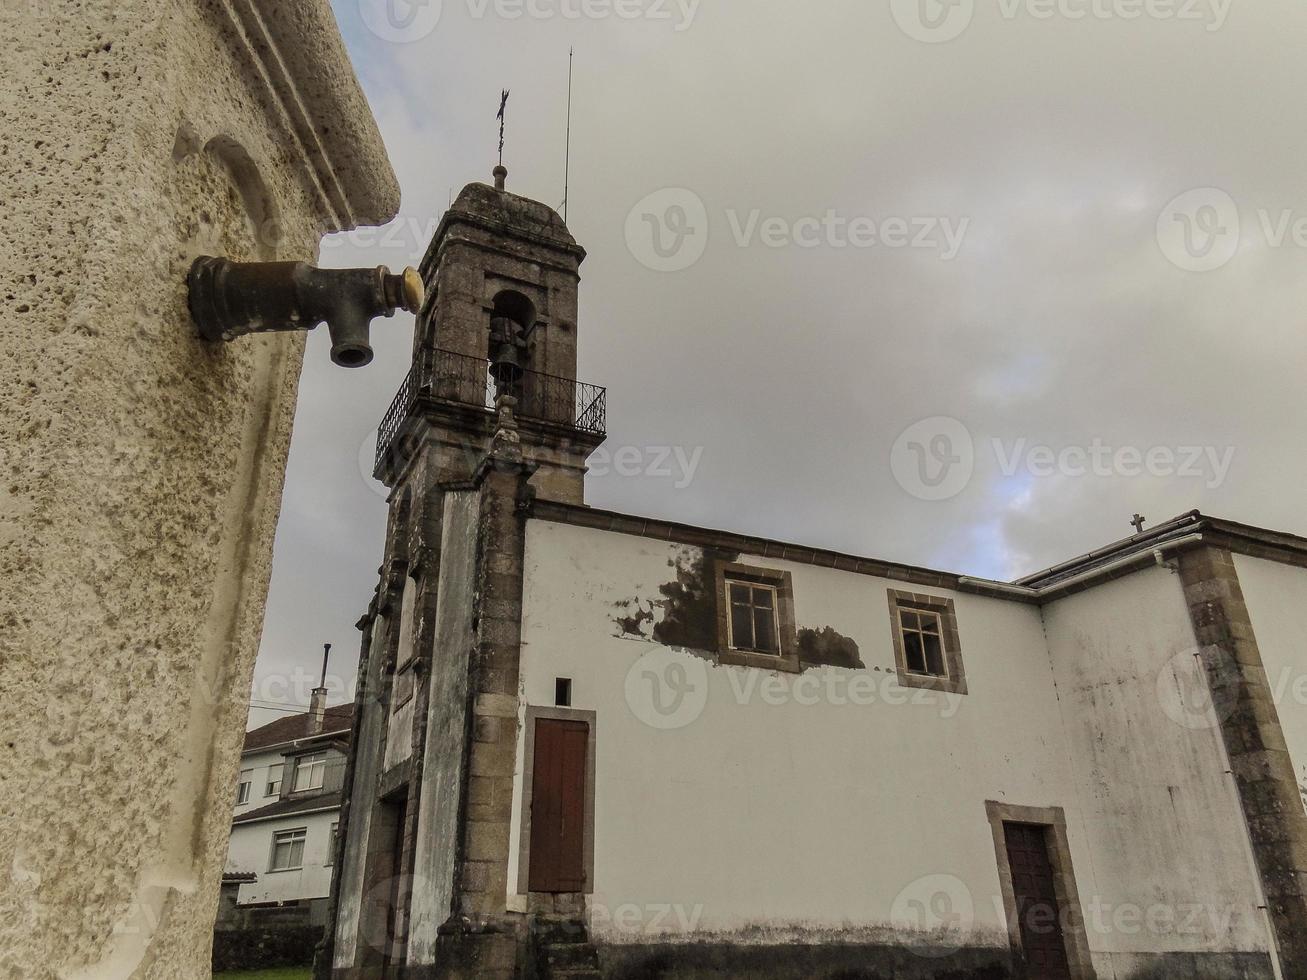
x=1049, y=592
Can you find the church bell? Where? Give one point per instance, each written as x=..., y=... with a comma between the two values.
x=506, y=352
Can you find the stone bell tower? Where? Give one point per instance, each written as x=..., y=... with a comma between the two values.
x=490, y=414
x=501, y=276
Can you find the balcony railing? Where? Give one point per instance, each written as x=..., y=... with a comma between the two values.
x=464, y=380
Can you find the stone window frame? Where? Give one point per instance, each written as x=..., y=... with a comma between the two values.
x=1053, y=819
x=549, y=713
x=956, y=680
x=783, y=583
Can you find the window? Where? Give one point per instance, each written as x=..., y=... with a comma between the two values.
x=331, y=844
x=274, y=780
x=309, y=772
x=288, y=850
x=926, y=647
x=752, y=619
x=755, y=618
x=563, y=692
x=243, y=788
x=923, y=645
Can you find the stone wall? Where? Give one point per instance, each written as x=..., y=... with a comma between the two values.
x=142, y=467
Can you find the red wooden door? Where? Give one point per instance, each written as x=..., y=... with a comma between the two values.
x=558, y=806
x=1036, y=896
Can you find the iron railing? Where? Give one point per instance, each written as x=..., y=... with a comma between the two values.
x=464, y=380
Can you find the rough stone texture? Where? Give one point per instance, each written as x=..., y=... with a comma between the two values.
x=142, y=469
x=1245, y=710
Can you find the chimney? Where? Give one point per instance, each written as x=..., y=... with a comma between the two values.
x=318, y=699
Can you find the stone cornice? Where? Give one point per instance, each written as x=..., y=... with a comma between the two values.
x=296, y=52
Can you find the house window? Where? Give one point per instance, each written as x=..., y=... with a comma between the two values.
x=309, y=772
x=288, y=849
x=274, y=780
x=331, y=844
x=755, y=617
x=927, y=651
x=243, y=788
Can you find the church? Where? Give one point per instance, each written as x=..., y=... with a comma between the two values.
x=590, y=744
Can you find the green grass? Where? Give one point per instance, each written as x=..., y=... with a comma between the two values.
x=283, y=973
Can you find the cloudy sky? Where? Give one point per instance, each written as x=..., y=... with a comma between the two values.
x=961, y=285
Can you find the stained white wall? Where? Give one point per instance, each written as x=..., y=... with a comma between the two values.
x=791, y=809
x=251, y=850
x=784, y=805
x=1277, y=604
x=1158, y=812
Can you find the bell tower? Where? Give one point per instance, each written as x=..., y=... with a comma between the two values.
x=501, y=274
x=489, y=414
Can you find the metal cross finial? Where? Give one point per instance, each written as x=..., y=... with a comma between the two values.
x=503, y=107
x=1138, y=523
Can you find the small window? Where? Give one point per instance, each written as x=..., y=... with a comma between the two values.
x=755, y=615
x=753, y=626
x=273, y=788
x=310, y=771
x=926, y=646
x=331, y=844
x=288, y=849
x=563, y=692
x=243, y=788
x=923, y=644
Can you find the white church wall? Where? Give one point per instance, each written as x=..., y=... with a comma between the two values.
x=829, y=800
x=1152, y=787
x=1276, y=596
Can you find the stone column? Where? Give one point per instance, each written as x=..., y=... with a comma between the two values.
x=1244, y=707
x=482, y=939
x=142, y=468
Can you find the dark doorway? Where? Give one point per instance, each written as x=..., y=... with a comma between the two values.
x=397, y=896
x=558, y=786
x=1034, y=885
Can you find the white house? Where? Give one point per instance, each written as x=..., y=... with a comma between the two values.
x=287, y=810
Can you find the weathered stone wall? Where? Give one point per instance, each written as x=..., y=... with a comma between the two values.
x=142, y=468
